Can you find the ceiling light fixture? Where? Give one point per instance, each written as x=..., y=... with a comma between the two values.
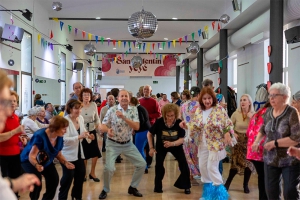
x=174, y=18
x=26, y=13
x=160, y=48
x=108, y=38
x=114, y=48
x=98, y=17
x=165, y=38
x=57, y=6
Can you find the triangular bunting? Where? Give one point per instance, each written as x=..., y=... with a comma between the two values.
x=51, y=34
x=180, y=41
x=174, y=43
x=70, y=28
x=83, y=34
x=61, y=25
x=213, y=25
x=96, y=38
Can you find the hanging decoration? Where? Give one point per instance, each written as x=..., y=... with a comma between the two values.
x=221, y=62
x=193, y=48
x=61, y=25
x=193, y=36
x=76, y=31
x=90, y=49
x=219, y=27
x=51, y=34
x=96, y=38
x=174, y=43
x=180, y=41
x=185, y=38
x=213, y=25
x=89, y=36
x=224, y=19
x=269, y=50
x=70, y=28
x=83, y=34
x=142, y=24
x=136, y=61
x=269, y=65
x=199, y=32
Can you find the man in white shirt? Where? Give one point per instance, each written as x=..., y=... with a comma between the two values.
x=122, y=119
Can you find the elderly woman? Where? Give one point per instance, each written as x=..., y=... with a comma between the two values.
x=257, y=157
x=175, y=98
x=42, y=122
x=170, y=137
x=282, y=130
x=89, y=113
x=296, y=101
x=73, y=152
x=239, y=164
x=185, y=96
x=212, y=130
x=29, y=123
x=37, y=157
x=188, y=110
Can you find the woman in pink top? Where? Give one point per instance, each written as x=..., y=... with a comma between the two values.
x=257, y=157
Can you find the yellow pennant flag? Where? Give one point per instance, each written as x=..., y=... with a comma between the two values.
x=164, y=57
x=89, y=36
x=174, y=43
x=55, y=19
x=148, y=47
x=206, y=28
x=119, y=43
x=115, y=58
x=39, y=38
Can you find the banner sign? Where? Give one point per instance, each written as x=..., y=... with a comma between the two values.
x=152, y=66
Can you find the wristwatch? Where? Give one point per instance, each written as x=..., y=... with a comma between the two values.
x=276, y=143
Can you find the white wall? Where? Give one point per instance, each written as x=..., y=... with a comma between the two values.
x=294, y=67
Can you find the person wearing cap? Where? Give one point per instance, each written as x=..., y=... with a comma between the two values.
x=188, y=110
x=296, y=101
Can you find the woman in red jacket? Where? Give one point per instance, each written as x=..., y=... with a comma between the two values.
x=10, y=150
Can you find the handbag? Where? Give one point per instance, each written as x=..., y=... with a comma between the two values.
x=42, y=157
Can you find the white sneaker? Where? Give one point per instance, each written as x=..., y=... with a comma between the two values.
x=197, y=177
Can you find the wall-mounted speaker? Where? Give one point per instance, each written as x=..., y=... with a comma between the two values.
x=214, y=67
x=292, y=35
x=99, y=77
x=78, y=66
x=12, y=33
x=235, y=5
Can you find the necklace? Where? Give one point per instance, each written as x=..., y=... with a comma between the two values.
x=244, y=116
x=170, y=126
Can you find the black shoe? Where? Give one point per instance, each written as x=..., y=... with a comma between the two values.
x=103, y=195
x=246, y=189
x=134, y=191
x=158, y=191
x=118, y=161
x=146, y=171
x=94, y=179
x=187, y=191
x=104, y=150
x=74, y=198
x=121, y=158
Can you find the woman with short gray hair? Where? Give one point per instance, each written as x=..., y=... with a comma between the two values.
x=282, y=129
x=296, y=101
x=29, y=122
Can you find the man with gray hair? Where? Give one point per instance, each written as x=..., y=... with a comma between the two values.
x=77, y=87
x=119, y=122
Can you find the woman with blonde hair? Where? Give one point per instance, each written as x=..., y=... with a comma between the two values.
x=239, y=164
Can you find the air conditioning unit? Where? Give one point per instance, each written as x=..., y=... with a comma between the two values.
x=292, y=35
x=214, y=67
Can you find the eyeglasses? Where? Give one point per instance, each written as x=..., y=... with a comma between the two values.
x=274, y=95
x=5, y=102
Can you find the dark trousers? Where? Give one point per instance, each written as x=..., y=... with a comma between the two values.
x=148, y=157
x=290, y=177
x=259, y=167
x=10, y=166
x=51, y=179
x=183, y=181
x=78, y=175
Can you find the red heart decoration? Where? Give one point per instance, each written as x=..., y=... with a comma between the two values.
x=269, y=50
x=197, y=75
x=219, y=80
x=269, y=67
x=219, y=70
x=269, y=85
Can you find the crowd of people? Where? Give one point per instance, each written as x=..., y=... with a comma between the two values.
x=194, y=127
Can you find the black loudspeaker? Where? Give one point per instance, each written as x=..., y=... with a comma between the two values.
x=292, y=35
x=235, y=5
x=12, y=33
x=78, y=66
x=99, y=77
x=214, y=67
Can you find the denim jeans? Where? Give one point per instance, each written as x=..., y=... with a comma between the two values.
x=140, y=142
x=290, y=176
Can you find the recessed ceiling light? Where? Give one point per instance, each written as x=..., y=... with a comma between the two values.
x=108, y=38
x=174, y=18
x=160, y=48
x=98, y=17
x=114, y=48
x=165, y=38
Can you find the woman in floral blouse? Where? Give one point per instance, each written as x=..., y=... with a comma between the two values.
x=257, y=157
x=188, y=110
x=212, y=130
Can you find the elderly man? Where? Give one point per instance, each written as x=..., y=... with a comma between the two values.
x=77, y=87
x=154, y=112
x=49, y=111
x=122, y=119
x=110, y=103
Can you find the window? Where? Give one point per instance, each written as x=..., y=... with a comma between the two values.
x=285, y=73
x=234, y=71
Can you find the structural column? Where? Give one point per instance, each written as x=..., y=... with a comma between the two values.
x=276, y=40
x=177, y=78
x=200, y=68
x=186, y=73
x=223, y=58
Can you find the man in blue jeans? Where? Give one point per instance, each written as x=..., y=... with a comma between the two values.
x=122, y=119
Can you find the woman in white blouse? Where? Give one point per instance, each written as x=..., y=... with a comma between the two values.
x=29, y=123
x=74, y=152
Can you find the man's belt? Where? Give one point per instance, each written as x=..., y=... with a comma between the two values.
x=123, y=142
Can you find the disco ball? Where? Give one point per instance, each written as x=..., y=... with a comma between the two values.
x=224, y=18
x=57, y=6
x=142, y=24
x=136, y=61
x=90, y=49
x=194, y=48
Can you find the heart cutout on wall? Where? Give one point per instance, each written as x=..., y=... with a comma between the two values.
x=269, y=50
x=197, y=75
x=269, y=64
x=219, y=70
x=219, y=81
x=269, y=85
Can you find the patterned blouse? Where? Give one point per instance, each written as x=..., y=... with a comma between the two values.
x=218, y=123
x=285, y=125
x=120, y=128
x=253, y=129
